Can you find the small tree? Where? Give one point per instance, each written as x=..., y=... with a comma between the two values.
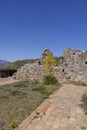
x=50, y=64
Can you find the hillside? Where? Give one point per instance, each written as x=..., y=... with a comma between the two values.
x=3, y=62
x=17, y=64
x=20, y=63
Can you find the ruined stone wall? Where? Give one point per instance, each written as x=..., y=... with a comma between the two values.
x=72, y=67
x=30, y=71
x=34, y=70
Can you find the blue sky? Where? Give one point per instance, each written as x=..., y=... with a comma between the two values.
x=29, y=26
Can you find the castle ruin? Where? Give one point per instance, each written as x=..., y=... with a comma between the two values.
x=71, y=67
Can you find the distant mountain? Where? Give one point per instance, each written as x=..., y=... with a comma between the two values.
x=3, y=62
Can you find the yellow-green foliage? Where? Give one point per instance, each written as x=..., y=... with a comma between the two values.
x=50, y=64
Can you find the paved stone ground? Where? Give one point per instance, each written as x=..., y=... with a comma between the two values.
x=62, y=111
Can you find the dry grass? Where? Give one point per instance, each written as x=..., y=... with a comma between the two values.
x=18, y=100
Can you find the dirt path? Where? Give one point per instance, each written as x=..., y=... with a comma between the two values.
x=7, y=80
x=64, y=113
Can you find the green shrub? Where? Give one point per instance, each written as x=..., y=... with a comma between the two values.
x=14, y=124
x=84, y=100
x=50, y=80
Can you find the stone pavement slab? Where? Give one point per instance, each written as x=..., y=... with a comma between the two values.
x=62, y=111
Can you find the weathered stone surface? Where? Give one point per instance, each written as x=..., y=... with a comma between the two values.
x=34, y=70
x=30, y=71
x=46, y=52
x=72, y=67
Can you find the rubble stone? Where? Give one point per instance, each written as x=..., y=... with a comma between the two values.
x=72, y=67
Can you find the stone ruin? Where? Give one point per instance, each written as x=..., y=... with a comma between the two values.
x=45, y=53
x=74, y=65
x=33, y=70
x=71, y=67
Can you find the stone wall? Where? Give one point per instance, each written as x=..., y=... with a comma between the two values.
x=72, y=67
x=30, y=71
x=34, y=70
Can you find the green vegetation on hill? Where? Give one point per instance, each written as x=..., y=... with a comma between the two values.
x=18, y=64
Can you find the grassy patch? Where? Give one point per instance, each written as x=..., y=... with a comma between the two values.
x=49, y=80
x=84, y=100
x=14, y=124
x=18, y=93
x=80, y=83
x=83, y=127
x=18, y=100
